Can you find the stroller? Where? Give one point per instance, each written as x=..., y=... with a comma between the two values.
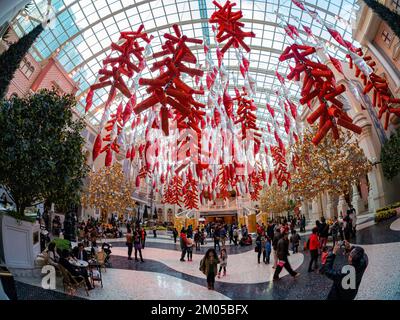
x=246, y=241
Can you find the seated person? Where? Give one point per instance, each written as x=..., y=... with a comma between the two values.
x=52, y=254
x=80, y=253
x=73, y=270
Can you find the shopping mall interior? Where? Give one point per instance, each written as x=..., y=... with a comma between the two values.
x=199, y=149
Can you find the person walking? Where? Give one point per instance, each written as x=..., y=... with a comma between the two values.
x=137, y=243
x=223, y=258
x=183, y=240
x=209, y=266
x=313, y=246
x=277, y=236
x=283, y=253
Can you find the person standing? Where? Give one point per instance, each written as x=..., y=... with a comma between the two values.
x=258, y=247
x=209, y=265
x=323, y=233
x=223, y=236
x=129, y=243
x=335, y=230
x=189, y=248
x=197, y=239
x=235, y=236
x=175, y=234
x=183, y=241
x=303, y=223
x=155, y=231
x=283, y=253
x=143, y=234
x=351, y=212
x=137, y=243
x=230, y=232
x=313, y=246
x=267, y=250
x=295, y=241
x=356, y=258
x=217, y=238
x=223, y=258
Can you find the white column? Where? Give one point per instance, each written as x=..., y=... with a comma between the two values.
x=330, y=210
x=316, y=209
x=304, y=209
x=342, y=205
x=356, y=200
x=371, y=202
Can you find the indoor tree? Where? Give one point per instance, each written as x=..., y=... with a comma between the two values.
x=10, y=59
x=332, y=165
x=109, y=190
x=390, y=156
x=41, y=149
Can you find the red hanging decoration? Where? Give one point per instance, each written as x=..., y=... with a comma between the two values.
x=168, y=88
x=229, y=27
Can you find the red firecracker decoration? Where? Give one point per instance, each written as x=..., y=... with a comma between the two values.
x=168, y=88
x=319, y=82
x=229, y=27
x=114, y=68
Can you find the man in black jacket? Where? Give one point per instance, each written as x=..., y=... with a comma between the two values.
x=283, y=253
x=341, y=290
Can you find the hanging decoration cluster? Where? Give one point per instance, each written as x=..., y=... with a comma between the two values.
x=188, y=139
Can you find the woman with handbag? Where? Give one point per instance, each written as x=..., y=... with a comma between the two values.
x=209, y=266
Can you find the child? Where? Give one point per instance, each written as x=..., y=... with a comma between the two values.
x=268, y=249
x=223, y=258
x=324, y=255
x=189, y=248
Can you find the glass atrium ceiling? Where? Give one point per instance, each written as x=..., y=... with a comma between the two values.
x=84, y=29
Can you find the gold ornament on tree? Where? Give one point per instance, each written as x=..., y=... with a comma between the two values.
x=332, y=165
x=109, y=191
x=276, y=199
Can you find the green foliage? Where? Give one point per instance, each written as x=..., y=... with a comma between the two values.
x=41, y=154
x=11, y=59
x=19, y=216
x=62, y=244
x=384, y=215
x=390, y=156
x=387, y=15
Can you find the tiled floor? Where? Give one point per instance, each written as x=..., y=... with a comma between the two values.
x=163, y=276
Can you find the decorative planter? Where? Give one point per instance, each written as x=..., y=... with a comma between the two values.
x=20, y=242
